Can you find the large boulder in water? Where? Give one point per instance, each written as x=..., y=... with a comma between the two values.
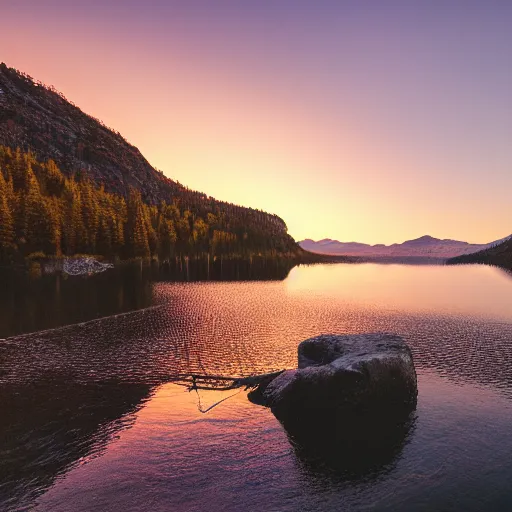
x=350, y=384
x=348, y=408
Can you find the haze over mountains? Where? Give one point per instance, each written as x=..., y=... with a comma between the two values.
x=423, y=247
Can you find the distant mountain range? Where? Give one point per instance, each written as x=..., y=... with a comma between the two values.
x=423, y=247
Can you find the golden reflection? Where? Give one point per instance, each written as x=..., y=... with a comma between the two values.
x=471, y=289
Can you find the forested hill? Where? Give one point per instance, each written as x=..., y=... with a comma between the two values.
x=37, y=118
x=500, y=255
x=67, y=150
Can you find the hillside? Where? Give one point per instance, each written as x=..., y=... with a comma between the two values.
x=500, y=255
x=37, y=118
x=423, y=247
x=56, y=137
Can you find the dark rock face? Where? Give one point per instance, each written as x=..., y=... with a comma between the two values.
x=351, y=395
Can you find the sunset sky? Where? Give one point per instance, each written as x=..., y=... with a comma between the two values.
x=374, y=121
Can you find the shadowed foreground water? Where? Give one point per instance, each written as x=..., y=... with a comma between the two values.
x=91, y=421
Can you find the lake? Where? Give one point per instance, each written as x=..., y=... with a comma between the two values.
x=92, y=420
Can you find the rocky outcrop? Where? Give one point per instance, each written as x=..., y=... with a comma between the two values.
x=84, y=266
x=354, y=388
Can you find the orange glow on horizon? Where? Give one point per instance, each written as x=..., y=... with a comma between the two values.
x=266, y=139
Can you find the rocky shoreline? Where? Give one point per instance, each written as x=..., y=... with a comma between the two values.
x=83, y=266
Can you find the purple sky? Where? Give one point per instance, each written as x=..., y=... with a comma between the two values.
x=370, y=121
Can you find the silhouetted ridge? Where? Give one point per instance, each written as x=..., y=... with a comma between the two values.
x=500, y=254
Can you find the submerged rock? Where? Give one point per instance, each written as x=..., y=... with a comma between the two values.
x=354, y=388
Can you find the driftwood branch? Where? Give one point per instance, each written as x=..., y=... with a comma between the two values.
x=208, y=382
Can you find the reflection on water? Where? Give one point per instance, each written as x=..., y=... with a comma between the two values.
x=92, y=400
x=29, y=304
x=54, y=424
x=31, y=301
x=478, y=290
x=332, y=452
x=505, y=271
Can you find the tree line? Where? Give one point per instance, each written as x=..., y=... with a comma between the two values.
x=499, y=255
x=44, y=212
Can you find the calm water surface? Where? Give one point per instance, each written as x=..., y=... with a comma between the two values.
x=91, y=421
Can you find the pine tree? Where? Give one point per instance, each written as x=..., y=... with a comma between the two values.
x=183, y=232
x=55, y=208
x=90, y=215
x=73, y=228
x=137, y=234
x=200, y=235
x=104, y=237
x=19, y=167
x=119, y=218
x=140, y=236
x=166, y=238
x=39, y=228
x=7, y=246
